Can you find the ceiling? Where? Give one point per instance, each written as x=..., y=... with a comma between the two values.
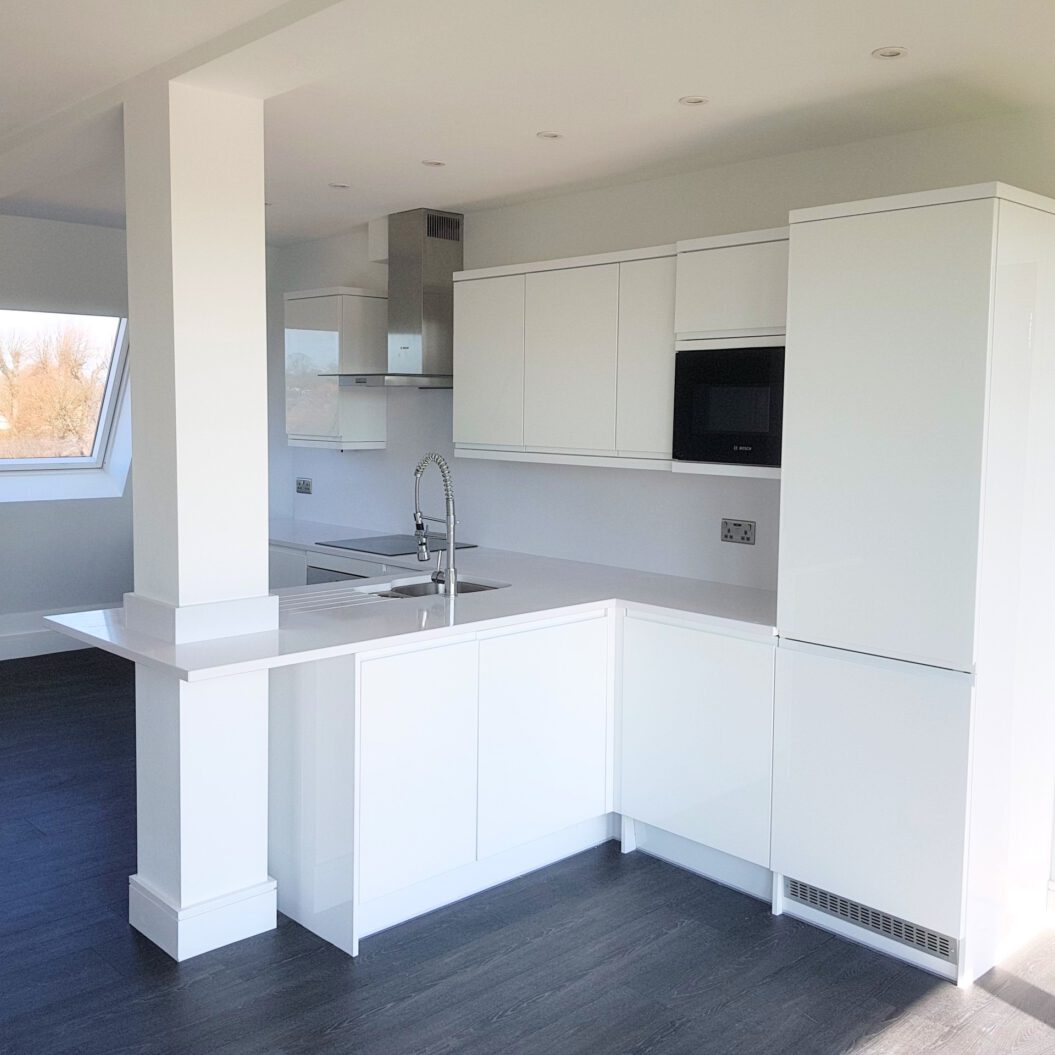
x=470, y=82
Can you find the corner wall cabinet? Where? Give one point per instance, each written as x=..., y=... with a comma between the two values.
x=328, y=332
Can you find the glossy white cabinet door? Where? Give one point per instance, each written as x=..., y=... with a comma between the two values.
x=489, y=361
x=697, y=734
x=330, y=334
x=733, y=289
x=870, y=781
x=286, y=567
x=645, y=400
x=572, y=321
x=417, y=759
x=313, y=344
x=888, y=332
x=543, y=718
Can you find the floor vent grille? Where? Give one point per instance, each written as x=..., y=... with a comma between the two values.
x=928, y=941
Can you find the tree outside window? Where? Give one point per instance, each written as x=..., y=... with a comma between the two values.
x=54, y=381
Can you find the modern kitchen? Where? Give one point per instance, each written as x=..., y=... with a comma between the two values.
x=675, y=537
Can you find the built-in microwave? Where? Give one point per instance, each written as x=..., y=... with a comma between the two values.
x=729, y=401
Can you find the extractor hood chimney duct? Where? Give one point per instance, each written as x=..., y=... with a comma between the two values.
x=424, y=251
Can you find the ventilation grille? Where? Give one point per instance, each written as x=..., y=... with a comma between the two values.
x=928, y=941
x=439, y=225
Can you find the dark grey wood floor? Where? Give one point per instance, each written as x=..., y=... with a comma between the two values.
x=599, y=954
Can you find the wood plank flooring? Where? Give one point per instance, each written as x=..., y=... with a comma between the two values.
x=599, y=954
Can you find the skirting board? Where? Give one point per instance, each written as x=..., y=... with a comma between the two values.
x=23, y=634
x=187, y=932
x=387, y=911
x=712, y=864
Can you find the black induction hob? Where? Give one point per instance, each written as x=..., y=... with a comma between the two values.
x=393, y=545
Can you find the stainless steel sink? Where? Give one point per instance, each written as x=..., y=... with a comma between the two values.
x=424, y=589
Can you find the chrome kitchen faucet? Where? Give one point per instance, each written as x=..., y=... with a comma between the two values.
x=448, y=578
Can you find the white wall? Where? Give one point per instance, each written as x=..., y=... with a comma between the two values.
x=61, y=555
x=636, y=518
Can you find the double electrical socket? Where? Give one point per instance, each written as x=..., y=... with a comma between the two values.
x=742, y=531
x=303, y=485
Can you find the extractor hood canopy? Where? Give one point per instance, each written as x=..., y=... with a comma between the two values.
x=424, y=251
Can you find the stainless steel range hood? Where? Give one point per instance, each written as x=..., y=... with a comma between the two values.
x=424, y=251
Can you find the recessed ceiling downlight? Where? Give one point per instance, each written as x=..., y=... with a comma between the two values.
x=340, y=186
x=550, y=135
x=434, y=164
x=693, y=100
x=892, y=51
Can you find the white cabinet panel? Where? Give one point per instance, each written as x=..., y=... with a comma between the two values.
x=885, y=382
x=697, y=735
x=329, y=334
x=543, y=718
x=645, y=399
x=313, y=347
x=572, y=319
x=733, y=289
x=870, y=781
x=417, y=757
x=286, y=567
x=489, y=361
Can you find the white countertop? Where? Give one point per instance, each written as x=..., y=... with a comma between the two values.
x=320, y=622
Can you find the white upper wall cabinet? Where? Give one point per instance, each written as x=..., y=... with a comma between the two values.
x=567, y=360
x=645, y=372
x=571, y=340
x=329, y=332
x=489, y=361
x=884, y=407
x=733, y=285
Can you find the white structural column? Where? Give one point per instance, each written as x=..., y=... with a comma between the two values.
x=194, y=172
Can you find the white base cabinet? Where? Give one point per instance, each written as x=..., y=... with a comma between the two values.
x=870, y=781
x=543, y=731
x=696, y=734
x=417, y=767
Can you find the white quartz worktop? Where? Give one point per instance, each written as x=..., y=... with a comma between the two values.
x=334, y=619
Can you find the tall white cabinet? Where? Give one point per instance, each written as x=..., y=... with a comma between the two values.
x=913, y=763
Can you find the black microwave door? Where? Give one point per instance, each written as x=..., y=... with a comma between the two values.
x=728, y=406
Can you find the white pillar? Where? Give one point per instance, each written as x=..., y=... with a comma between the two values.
x=194, y=174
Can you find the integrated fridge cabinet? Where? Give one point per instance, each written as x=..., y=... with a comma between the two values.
x=914, y=765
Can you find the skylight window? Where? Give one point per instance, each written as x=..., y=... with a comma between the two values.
x=60, y=377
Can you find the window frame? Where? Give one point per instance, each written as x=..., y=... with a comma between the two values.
x=105, y=428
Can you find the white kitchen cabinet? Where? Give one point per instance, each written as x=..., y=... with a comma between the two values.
x=489, y=361
x=417, y=766
x=645, y=371
x=543, y=731
x=870, y=781
x=884, y=406
x=286, y=566
x=328, y=332
x=571, y=347
x=733, y=285
x=696, y=734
